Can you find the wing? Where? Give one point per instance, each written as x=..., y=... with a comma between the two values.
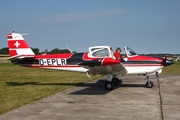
x=104, y=66
x=113, y=69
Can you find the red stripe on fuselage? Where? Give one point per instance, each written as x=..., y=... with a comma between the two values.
x=86, y=57
x=66, y=56
x=144, y=58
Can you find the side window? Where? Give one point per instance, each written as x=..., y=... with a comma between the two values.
x=94, y=49
x=101, y=53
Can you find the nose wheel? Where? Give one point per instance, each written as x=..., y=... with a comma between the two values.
x=149, y=84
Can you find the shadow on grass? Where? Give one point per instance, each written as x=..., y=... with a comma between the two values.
x=38, y=83
x=97, y=84
x=98, y=88
x=89, y=88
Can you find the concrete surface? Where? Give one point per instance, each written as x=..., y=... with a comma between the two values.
x=91, y=101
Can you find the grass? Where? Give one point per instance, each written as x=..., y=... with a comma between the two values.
x=20, y=85
x=172, y=69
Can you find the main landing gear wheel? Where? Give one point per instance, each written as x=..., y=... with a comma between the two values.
x=115, y=81
x=108, y=85
x=149, y=84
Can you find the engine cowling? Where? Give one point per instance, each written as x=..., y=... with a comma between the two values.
x=109, y=61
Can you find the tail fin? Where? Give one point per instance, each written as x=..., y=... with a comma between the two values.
x=17, y=45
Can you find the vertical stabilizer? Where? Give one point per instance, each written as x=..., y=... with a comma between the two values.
x=17, y=45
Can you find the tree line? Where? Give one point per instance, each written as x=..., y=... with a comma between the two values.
x=5, y=50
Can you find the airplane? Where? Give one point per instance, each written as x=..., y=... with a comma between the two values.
x=98, y=60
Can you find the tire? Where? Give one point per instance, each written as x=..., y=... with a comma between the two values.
x=120, y=82
x=115, y=81
x=149, y=85
x=108, y=85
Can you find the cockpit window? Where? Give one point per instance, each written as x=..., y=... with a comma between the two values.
x=100, y=52
x=130, y=52
x=94, y=49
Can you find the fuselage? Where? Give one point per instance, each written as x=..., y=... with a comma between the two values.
x=73, y=62
x=98, y=60
x=144, y=64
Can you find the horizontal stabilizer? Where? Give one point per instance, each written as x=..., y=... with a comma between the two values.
x=20, y=57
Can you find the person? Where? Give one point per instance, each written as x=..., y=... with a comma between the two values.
x=117, y=54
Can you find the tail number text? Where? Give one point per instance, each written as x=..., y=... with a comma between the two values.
x=52, y=62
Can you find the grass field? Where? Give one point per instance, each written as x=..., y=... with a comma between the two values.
x=172, y=69
x=20, y=85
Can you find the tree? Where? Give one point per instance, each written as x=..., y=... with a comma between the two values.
x=4, y=50
x=54, y=51
x=35, y=50
x=46, y=51
x=64, y=51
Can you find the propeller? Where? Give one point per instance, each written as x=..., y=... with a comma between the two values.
x=168, y=62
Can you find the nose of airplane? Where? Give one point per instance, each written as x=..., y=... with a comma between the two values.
x=168, y=62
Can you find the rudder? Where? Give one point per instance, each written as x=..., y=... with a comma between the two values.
x=17, y=45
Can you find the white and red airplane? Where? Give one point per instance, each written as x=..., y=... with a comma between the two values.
x=99, y=60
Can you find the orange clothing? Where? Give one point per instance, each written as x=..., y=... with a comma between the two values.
x=117, y=55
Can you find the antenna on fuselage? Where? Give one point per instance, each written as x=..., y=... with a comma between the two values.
x=68, y=48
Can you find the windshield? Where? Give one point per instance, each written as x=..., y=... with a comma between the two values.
x=130, y=52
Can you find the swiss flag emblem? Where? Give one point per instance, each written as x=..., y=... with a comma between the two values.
x=18, y=44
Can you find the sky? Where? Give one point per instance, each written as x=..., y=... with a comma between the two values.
x=146, y=26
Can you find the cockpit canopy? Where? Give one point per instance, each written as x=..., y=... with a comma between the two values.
x=101, y=51
x=107, y=51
